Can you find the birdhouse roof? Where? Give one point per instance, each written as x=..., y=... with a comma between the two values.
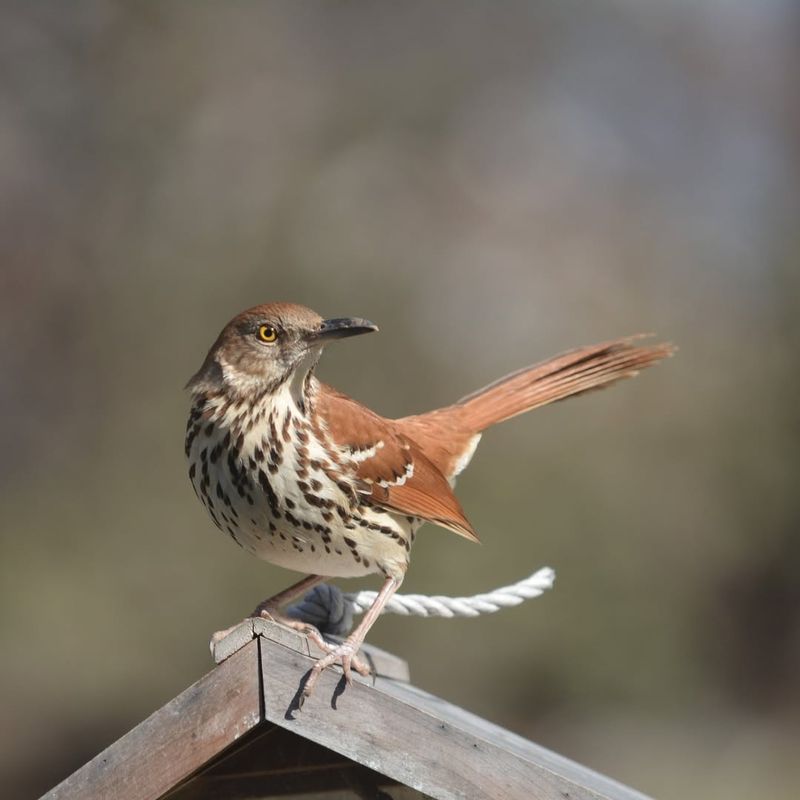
x=237, y=732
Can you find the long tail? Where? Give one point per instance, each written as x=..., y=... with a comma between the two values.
x=564, y=375
x=449, y=435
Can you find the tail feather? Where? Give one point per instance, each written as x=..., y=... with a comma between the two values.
x=574, y=372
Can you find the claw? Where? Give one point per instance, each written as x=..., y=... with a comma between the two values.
x=273, y=615
x=345, y=655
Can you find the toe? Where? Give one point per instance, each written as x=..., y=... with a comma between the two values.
x=346, y=661
x=361, y=667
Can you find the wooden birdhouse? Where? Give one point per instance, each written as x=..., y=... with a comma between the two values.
x=238, y=733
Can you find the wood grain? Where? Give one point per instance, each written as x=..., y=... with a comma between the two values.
x=422, y=741
x=272, y=762
x=177, y=739
x=382, y=663
x=238, y=733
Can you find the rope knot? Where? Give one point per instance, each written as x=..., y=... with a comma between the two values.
x=326, y=608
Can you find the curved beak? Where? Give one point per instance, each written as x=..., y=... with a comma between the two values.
x=341, y=328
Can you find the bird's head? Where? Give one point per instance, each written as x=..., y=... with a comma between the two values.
x=267, y=346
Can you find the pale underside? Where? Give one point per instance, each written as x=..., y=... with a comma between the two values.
x=292, y=512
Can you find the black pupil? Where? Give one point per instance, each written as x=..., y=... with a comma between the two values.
x=267, y=332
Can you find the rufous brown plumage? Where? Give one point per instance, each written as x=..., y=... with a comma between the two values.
x=301, y=475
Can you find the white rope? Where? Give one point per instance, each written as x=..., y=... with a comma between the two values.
x=331, y=610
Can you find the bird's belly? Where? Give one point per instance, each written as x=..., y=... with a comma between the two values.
x=273, y=520
x=380, y=542
x=300, y=559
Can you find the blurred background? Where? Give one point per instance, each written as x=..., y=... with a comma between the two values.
x=490, y=183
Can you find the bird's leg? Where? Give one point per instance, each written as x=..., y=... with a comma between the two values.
x=345, y=653
x=270, y=609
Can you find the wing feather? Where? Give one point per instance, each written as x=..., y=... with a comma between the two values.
x=390, y=466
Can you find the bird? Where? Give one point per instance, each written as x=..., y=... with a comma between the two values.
x=301, y=475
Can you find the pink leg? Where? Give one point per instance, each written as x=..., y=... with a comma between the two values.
x=345, y=653
x=287, y=595
x=270, y=609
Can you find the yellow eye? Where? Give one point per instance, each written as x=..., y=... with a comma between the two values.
x=267, y=334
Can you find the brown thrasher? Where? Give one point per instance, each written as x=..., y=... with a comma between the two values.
x=303, y=476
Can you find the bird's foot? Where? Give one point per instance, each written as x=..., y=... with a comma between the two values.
x=344, y=654
x=272, y=613
x=218, y=636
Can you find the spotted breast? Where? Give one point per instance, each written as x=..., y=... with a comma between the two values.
x=274, y=479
